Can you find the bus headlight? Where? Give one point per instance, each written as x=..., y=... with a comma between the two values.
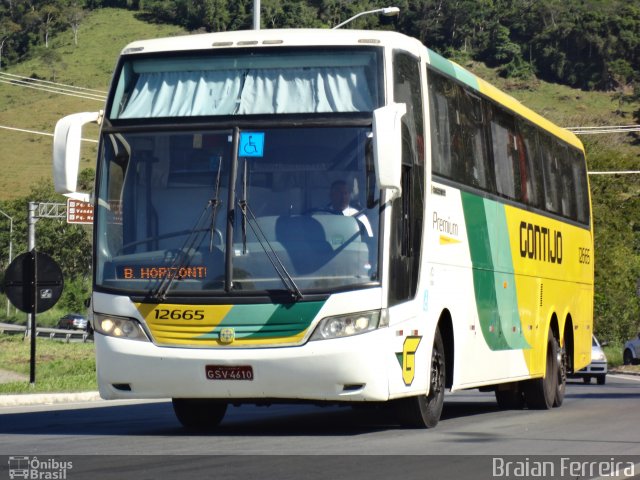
x=119, y=327
x=347, y=325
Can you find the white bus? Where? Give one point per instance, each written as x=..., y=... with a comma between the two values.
x=329, y=216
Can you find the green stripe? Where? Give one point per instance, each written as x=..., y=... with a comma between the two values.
x=268, y=320
x=490, y=250
x=453, y=70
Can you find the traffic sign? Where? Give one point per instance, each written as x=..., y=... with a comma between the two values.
x=20, y=283
x=79, y=212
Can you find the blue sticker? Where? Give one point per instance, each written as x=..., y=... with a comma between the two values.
x=425, y=301
x=251, y=144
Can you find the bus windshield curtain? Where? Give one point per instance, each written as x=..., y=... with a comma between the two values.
x=245, y=92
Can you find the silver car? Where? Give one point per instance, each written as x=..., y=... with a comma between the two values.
x=598, y=366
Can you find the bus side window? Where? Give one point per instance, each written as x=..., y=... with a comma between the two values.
x=551, y=171
x=442, y=112
x=567, y=193
x=407, y=211
x=579, y=172
x=530, y=171
x=505, y=154
x=475, y=167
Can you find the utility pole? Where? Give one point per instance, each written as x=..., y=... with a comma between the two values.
x=10, y=250
x=256, y=14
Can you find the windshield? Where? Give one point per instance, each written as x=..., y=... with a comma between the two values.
x=221, y=211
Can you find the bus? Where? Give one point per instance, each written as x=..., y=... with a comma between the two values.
x=329, y=216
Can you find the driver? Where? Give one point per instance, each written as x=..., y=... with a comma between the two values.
x=340, y=196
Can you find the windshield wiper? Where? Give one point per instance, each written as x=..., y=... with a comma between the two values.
x=185, y=254
x=214, y=202
x=275, y=261
x=183, y=257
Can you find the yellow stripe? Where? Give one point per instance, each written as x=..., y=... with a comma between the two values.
x=444, y=240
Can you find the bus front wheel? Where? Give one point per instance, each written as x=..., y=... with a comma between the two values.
x=199, y=413
x=424, y=411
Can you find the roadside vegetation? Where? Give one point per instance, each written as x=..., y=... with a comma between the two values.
x=60, y=367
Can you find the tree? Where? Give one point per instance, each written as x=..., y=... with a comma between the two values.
x=49, y=16
x=215, y=15
x=7, y=29
x=74, y=14
x=52, y=59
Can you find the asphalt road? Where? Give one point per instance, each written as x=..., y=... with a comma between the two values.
x=305, y=441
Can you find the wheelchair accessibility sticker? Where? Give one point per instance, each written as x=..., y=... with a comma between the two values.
x=251, y=144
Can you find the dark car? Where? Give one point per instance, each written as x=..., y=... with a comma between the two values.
x=631, y=352
x=73, y=321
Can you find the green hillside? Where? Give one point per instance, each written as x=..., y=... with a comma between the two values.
x=25, y=157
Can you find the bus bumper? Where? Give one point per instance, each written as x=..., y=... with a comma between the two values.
x=339, y=370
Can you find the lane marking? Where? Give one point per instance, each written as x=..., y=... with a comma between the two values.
x=633, y=378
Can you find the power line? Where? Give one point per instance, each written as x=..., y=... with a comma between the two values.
x=604, y=129
x=44, y=88
x=37, y=80
x=35, y=132
x=616, y=172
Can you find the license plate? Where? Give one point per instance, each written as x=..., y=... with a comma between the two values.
x=225, y=372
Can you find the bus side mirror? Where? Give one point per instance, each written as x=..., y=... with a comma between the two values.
x=67, y=138
x=387, y=147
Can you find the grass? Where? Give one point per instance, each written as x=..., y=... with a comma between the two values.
x=60, y=367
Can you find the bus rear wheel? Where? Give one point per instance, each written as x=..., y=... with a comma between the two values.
x=199, y=414
x=424, y=411
x=562, y=368
x=540, y=393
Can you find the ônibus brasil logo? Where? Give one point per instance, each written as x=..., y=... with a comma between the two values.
x=36, y=469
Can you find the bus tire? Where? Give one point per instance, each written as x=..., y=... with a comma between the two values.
x=423, y=411
x=199, y=414
x=561, y=386
x=540, y=393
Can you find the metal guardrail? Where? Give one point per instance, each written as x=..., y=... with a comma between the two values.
x=51, y=333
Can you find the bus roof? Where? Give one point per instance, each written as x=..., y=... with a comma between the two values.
x=343, y=37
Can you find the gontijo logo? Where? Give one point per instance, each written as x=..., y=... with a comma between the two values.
x=540, y=243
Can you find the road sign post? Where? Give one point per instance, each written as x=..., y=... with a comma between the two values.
x=33, y=282
x=31, y=315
